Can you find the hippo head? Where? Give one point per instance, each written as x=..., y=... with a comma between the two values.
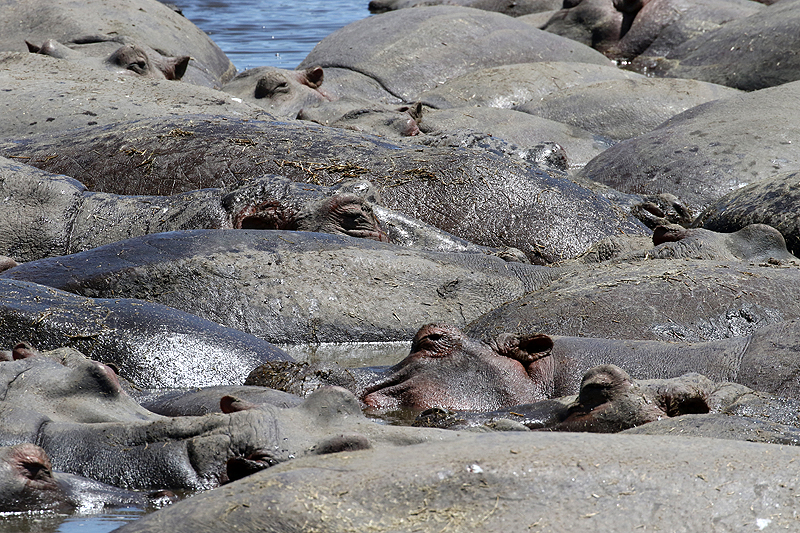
x=450, y=370
x=128, y=57
x=27, y=481
x=610, y=400
x=73, y=387
x=137, y=60
x=281, y=92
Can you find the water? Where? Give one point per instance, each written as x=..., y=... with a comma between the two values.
x=252, y=33
x=277, y=33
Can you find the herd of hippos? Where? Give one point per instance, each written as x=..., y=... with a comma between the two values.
x=584, y=216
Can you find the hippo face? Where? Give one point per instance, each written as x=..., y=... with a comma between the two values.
x=72, y=387
x=282, y=92
x=128, y=57
x=447, y=369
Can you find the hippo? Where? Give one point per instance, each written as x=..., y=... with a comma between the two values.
x=594, y=23
x=116, y=95
x=150, y=345
x=726, y=55
x=89, y=426
x=625, y=108
x=388, y=47
x=770, y=201
x=658, y=299
x=145, y=22
x=707, y=151
x=284, y=93
x=449, y=369
x=513, y=86
x=360, y=114
x=477, y=195
x=73, y=213
x=513, y=9
x=29, y=484
x=659, y=26
x=128, y=57
x=293, y=287
x=499, y=482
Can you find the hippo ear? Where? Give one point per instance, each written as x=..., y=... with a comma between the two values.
x=312, y=77
x=231, y=404
x=536, y=345
x=32, y=48
x=174, y=68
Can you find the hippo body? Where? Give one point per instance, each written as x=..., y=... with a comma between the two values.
x=770, y=201
x=622, y=109
x=488, y=199
x=687, y=300
x=499, y=482
x=146, y=22
x=151, y=345
x=293, y=287
x=727, y=56
x=707, y=151
x=514, y=9
x=388, y=47
x=513, y=86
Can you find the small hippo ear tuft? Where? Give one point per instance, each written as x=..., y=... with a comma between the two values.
x=313, y=77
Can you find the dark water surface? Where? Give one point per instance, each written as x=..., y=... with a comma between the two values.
x=277, y=33
x=252, y=33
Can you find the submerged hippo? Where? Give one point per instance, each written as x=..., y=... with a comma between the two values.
x=448, y=369
x=283, y=93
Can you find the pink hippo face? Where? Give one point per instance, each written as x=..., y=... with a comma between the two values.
x=281, y=92
x=450, y=370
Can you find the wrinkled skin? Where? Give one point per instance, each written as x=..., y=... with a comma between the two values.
x=500, y=482
x=486, y=198
x=331, y=288
x=284, y=93
x=707, y=151
x=148, y=344
x=129, y=57
x=77, y=411
x=729, y=56
x=398, y=49
x=147, y=23
x=770, y=201
x=447, y=369
x=73, y=213
x=28, y=483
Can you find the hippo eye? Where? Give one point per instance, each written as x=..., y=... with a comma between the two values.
x=139, y=67
x=264, y=90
